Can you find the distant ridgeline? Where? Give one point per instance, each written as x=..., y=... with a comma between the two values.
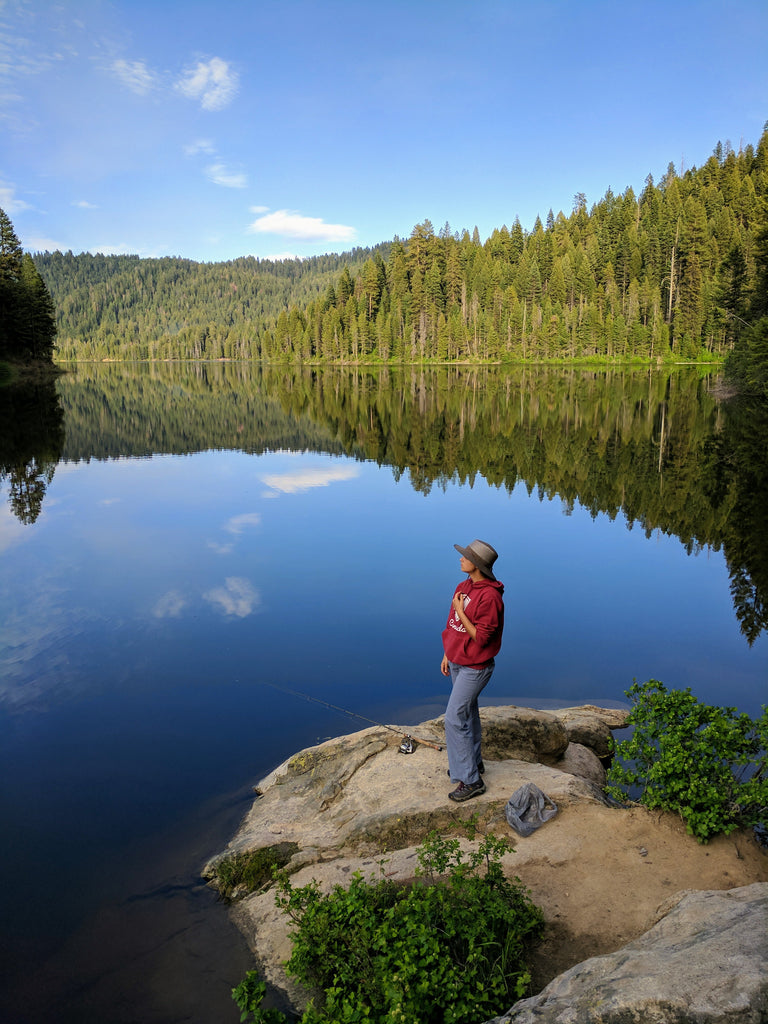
x=670, y=274
x=654, y=447
x=27, y=316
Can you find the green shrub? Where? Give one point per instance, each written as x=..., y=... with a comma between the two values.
x=440, y=951
x=243, y=873
x=709, y=764
x=248, y=995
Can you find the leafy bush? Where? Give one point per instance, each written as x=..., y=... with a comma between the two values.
x=248, y=995
x=439, y=951
x=707, y=763
x=243, y=873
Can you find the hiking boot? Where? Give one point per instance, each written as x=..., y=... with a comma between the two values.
x=464, y=792
x=480, y=768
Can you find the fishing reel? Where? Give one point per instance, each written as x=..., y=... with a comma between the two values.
x=408, y=745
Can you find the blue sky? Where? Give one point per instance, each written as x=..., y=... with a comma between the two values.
x=296, y=127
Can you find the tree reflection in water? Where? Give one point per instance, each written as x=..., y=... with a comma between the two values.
x=738, y=475
x=31, y=443
x=654, y=446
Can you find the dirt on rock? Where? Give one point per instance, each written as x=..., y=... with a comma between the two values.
x=603, y=877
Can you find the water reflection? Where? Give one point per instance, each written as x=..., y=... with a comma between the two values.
x=736, y=478
x=655, y=447
x=31, y=443
x=145, y=600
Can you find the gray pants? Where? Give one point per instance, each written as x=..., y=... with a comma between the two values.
x=463, y=736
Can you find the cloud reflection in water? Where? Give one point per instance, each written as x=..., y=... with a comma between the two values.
x=169, y=606
x=237, y=597
x=306, y=479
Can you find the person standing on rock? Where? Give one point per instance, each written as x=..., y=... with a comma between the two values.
x=471, y=641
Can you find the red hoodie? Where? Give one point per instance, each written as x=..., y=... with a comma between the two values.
x=484, y=608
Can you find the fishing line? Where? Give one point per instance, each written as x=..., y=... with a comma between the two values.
x=406, y=747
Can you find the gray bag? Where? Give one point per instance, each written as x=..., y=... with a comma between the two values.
x=528, y=808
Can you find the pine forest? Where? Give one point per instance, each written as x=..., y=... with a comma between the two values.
x=676, y=273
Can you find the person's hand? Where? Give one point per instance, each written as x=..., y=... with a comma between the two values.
x=444, y=666
x=458, y=602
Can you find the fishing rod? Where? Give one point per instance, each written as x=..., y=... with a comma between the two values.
x=406, y=747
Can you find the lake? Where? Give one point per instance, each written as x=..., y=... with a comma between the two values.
x=183, y=544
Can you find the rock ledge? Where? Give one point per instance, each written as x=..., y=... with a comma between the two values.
x=355, y=803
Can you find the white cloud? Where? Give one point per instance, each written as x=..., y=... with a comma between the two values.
x=306, y=229
x=237, y=524
x=83, y=204
x=212, y=82
x=39, y=243
x=306, y=479
x=221, y=549
x=9, y=202
x=200, y=146
x=123, y=249
x=220, y=175
x=237, y=597
x=135, y=75
x=277, y=257
x=169, y=606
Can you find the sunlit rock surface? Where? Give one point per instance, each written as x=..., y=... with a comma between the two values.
x=704, y=962
x=357, y=804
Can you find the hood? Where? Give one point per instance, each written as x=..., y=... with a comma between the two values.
x=494, y=584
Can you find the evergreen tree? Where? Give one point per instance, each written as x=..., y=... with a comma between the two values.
x=27, y=314
x=748, y=363
x=10, y=250
x=37, y=324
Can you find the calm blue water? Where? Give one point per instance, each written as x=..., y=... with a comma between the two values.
x=151, y=600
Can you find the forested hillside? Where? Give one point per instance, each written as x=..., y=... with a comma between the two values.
x=669, y=274
x=128, y=307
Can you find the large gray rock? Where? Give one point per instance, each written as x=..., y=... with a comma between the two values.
x=358, y=794
x=584, y=763
x=704, y=962
x=592, y=727
x=356, y=804
x=522, y=734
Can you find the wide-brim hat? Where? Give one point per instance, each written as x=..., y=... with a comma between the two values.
x=480, y=554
